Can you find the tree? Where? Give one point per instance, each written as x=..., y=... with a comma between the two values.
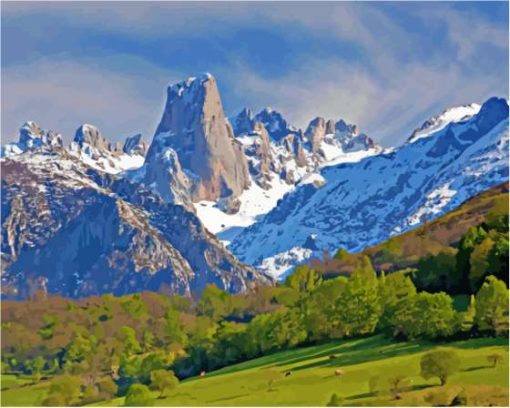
x=358, y=306
x=154, y=361
x=492, y=305
x=335, y=401
x=397, y=384
x=80, y=348
x=495, y=359
x=107, y=388
x=35, y=367
x=469, y=240
x=303, y=279
x=173, y=329
x=425, y=315
x=438, y=273
x=64, y=389
x=271, y=375
x=90, y=395
x=479, y=261
x=214, y=303
x=163, y=381
x=130, y=343
x=393, y=289
x=439, y=363
x=138, y=395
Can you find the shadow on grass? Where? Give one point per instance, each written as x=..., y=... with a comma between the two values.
x=228, y=398
x=477, y=368
x=360, y=396
x=363, y=353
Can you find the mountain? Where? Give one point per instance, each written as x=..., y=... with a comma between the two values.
x=96, y=217
x=363, y=203
x=72, y=224
x=441, y=235
x=194, y=126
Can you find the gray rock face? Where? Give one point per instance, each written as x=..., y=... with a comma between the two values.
x=243, y=123
x=316, y=131
x=194, y=125
x=135, y=145
x=90, y=135
x=168, y=178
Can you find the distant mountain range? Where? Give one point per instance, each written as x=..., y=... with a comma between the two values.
x=96, y=217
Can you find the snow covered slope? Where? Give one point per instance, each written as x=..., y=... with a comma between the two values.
x=363, y=203
x=280, y=157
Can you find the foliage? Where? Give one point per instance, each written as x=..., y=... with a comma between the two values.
x=492, y=306
x=438, y=272
x=495, y=359
x=163, y=381
x=439, y=363
x=138, y=395
x=64, y=390
x=428, y=315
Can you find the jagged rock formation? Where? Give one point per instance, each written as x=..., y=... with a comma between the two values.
x=32, y=137
x=194, y=125
x=135, y=145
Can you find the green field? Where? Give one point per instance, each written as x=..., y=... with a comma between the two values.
x=312, y=378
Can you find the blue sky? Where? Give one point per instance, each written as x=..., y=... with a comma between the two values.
x=384, y=66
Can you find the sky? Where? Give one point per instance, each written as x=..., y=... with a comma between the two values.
x=385, y=66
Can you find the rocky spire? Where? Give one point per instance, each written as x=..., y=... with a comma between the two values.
x=315, y=132
x=194, y=125
x=135, y=145
x=243, y=123
x=90, y=135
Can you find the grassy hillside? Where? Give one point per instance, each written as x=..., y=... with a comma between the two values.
x=312, y=378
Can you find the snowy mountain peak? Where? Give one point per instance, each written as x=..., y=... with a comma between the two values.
x=32, y=137
x=90, y=135
x=243, y=122
x=438, y=122
x=276, y=125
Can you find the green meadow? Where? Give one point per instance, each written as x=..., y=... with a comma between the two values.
x=306, y=377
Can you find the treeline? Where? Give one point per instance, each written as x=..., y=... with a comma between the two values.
x=104, y=345
x=482, y=251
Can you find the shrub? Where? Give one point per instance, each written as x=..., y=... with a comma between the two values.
x=138, y=395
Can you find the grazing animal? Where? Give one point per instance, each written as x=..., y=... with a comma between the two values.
x=339, y=372
x=202, y=373
x=287, y=373
x=332, y=357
